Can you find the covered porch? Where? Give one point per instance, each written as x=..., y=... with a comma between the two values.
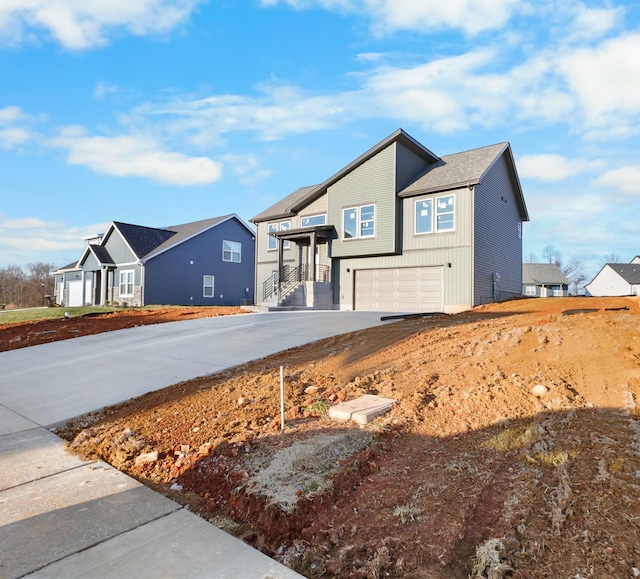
x=310, y=277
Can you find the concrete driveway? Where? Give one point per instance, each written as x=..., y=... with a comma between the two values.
x=51, y=383
x=61, y=517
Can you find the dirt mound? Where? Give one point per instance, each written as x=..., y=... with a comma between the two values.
x=513, y=450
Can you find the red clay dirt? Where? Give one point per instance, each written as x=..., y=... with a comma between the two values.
x=513, y=450
x=21, y=335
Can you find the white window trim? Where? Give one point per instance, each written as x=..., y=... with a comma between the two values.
x=286, y=244
x=530, y=290
x=232, y=252
x=434, y=215
x=211, y=285
x=126, y=283
x=324, y=215
x=358, y=210
x=415, y=217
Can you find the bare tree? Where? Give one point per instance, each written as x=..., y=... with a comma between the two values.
x=25, y=289
x=551, y=255
x=574, y=271
x=610, y=258
x=531, y=258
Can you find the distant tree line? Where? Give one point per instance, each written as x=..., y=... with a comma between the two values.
x=28, y=287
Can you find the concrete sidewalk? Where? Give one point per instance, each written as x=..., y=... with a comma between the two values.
x=62, y=517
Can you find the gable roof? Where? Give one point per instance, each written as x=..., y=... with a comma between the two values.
x=141, y=240
x=148, y=242
x=457, y=170
x=542, y=273
x=441, y=174
x=305, y=195
x=629, y=272
x=466, y=169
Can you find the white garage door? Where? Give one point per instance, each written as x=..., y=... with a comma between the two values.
x=74, y=295
x=402, y=289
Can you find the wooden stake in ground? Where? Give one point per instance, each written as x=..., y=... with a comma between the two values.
x=282, y=399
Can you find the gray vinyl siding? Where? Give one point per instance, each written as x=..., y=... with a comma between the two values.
x=91, y=263
x=457, y=293
x=176, y=275
x=317, y=207
x=118, y=249
x=373, y=182
x=408, y=167
x=497, y=248
x=267, y=260
x=444, y=248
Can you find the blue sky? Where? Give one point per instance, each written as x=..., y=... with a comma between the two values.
x=160, y=112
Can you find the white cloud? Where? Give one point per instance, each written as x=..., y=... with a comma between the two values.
x=550, y=167
x=277, y=111
x=388, y=16
x=82, y=24
x=49, y=241
x=247, y=168
x=136, y=156
x=605, y=80
x=624, y=181
x=590, y=23
x=11, y=135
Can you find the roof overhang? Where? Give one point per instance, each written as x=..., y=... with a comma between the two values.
x=318, y=231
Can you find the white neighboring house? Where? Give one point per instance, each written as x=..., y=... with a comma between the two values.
x=616, y=279
x=543, y=280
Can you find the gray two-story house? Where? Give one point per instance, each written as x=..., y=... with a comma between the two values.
x=397, y=229
x=203, y=263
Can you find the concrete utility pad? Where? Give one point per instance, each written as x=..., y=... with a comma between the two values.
x=363, y=409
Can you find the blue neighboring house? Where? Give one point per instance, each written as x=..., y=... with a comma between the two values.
x=204, y=263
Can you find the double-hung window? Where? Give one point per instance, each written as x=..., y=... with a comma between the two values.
x=126, y=283
x=445, y=213
x=231, y=251
x=442, y=219
x=424, y=216
x=207, y=286
x=359, y=222
x=274, y=228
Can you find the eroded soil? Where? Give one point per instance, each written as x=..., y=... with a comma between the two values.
x=513, y=449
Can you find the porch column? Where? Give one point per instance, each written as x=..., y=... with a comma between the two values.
x=103, y=285
x=312, y=255
x=280, y=263
x=84, y=302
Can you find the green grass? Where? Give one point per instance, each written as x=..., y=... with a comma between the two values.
x=17, y=316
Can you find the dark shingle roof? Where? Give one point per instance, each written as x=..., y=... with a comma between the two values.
x=147, y=242
x=101, y=253
x=283, y=207
x=455, y=170
x=629, y=272
x=543, y=273
x=141, y=239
